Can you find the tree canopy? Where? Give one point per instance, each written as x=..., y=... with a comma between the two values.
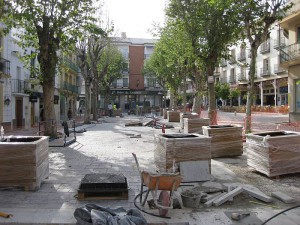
x=49, y=27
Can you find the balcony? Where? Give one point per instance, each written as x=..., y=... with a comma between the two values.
x=19, y=86
x=217, y=72
x=290, y=55
x=223, y=63
x=265, y=47
x=241, y=76
x=123, y=84
x=279, y=43
x=264, y=72
x=278, y=69
x=5, y=66
x=70, y=64
x=232, y=60
x=242, y=57
x=70, y=87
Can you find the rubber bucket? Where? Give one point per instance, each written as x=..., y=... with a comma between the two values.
x=190, y=199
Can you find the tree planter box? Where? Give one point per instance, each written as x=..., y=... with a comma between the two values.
x=24, y=162
x=194, y=125
x=274, y=153
x=226, y=140
x=187, y=115
x=170, y=148
x=173, y=116
x=117, y=112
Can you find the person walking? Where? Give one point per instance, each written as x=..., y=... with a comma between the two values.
x=110, y=109
x=70, y=114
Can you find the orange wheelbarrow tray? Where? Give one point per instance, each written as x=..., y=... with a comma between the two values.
x=155, y=182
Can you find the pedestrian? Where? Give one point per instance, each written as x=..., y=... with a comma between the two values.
x=70, y=113
x=80, y=111
x=110, y=109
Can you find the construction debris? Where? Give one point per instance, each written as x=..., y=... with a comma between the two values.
x=283, y=197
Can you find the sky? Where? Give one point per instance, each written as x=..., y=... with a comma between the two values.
x=135, y=17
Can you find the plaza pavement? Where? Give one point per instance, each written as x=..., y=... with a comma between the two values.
x=106, y=147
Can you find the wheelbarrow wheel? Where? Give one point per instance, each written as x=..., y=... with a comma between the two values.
x=164, y=200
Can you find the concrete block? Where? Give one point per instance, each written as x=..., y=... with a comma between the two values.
x=228, y=196
x=283, y=197
x=210, y=202
x=256, y=193
x=195, y=171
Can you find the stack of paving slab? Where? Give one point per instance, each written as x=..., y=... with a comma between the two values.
x=184, y=115
x=172, y=149
x=274, y=153
x=194, y=125
x=173, y=116
x=24, y=162
x=226, y=140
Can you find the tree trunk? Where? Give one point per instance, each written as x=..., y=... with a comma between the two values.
x=87, y=114
x=212, y=112
x=94, y=101
x=49, y=111
x=184, y=95
x=250, y=93
x=197, y=102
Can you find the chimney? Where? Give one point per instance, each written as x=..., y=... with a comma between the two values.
x=123, y=35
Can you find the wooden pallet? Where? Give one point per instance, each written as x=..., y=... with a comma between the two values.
x=102, y=195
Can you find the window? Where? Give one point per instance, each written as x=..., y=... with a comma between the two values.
x=266, y=65
x=298, y=34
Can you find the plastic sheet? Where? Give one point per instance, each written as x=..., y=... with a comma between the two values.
x=170, y=150
x=274, y=154
x=226, y=140
x=24, y=164
x=97, y=215
x=194, y=125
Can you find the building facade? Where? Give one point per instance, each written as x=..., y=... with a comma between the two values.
x=271, y=80
x=290, y=58
x=21, y=95
x=134, y=89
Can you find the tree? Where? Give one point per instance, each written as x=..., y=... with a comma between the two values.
x=222, y=91
x=258, y=17
x=110, y=65
x=171, y=59
x=212, y=26
x=50, y=26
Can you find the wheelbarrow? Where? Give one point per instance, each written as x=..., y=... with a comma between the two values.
x=166, y=183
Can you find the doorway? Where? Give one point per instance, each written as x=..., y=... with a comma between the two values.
x=19, y=112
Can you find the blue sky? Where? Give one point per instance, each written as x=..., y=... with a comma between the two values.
x=135, y=17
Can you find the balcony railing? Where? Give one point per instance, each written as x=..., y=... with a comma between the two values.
x=223, y=63
x=265, y=47
x=116, y=84
x=70, y=87
x=278, y=69
x=232, y=60
x=4, y=66
x=264, y=72
x=241, y=76
x=242, y=56
x=71, y=64
x=280, y=42
x=19, y=86
x=290, y=53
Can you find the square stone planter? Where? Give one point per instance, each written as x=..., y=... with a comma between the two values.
x=24, y=161
x=226, y=140
x=173, y=116
x=194, y=125
x=274, y=153
x=187, y=115
x=176, y=148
